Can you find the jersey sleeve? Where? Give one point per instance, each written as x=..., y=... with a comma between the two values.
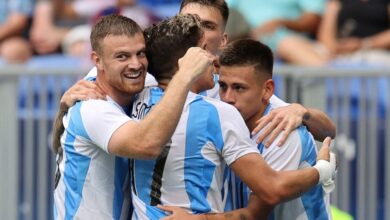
x=236, y=136
x=277, y=102
x=91, y=74
x=150, y=81
x=101, y=119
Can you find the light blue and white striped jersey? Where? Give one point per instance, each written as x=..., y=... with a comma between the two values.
x=298, y=151
x=90, y=182
x=190, y=172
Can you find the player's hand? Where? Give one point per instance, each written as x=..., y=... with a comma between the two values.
x=195, y=62
x=82, y=90
x=324, y=152
x=178, y=213
x=280, y=120
x=326, y=163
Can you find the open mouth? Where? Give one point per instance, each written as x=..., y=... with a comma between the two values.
x=133, y=75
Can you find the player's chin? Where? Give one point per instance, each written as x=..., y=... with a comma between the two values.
x=133, y=89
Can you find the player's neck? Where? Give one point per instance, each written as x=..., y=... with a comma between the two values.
x=122, y=98
x=163, y=83
x=251, y=122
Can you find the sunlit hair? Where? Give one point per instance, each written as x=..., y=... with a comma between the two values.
x=247, y=52
x=115, y=25
x=220, y=5
x=168, y=40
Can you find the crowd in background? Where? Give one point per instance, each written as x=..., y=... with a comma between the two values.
x=301, y=32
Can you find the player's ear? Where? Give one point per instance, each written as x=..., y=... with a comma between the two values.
x=269, y=87
x=96, y=60
x=224, y=40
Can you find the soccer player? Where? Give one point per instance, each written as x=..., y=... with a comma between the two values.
x=214, y=15
x=211, y=135
x=246, y=83
x=92, y=179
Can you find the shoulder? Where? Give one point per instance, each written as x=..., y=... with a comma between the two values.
x=91, y=74
x=92, y=109
x=207, y=105
x=277, y=102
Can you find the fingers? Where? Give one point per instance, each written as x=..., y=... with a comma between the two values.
x=286, y=132
x=273, y=128
x=280, y=128
x=82, y=91
x=324, y=153
x=166, y=208
x=262, y=122
x=327, y=142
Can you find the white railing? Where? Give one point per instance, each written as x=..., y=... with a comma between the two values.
x=356, y=99
x=30, y=97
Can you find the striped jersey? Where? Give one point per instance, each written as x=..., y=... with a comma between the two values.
x=299, y=151
x=90, y=182
x=191, y=170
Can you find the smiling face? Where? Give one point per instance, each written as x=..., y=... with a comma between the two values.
x=212, y=23
x=122, y=64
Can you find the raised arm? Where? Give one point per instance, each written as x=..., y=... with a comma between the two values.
x=146, y=138
x=286, y=119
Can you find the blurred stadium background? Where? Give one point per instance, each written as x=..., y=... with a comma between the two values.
x=355, y=97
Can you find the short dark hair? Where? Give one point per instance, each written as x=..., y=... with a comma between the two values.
x=112, y=25
x=220, y=5
x=168, y=40
x=248, y=52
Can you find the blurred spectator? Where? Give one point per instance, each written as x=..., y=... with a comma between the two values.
x=54, y=19
x=141, y=15
x=357, y=31
x=14, y=23
x=65, y=25
x=162, y=8
x=285, y=26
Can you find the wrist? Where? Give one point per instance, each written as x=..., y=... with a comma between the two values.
x=324, y=170
x=183, y=78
